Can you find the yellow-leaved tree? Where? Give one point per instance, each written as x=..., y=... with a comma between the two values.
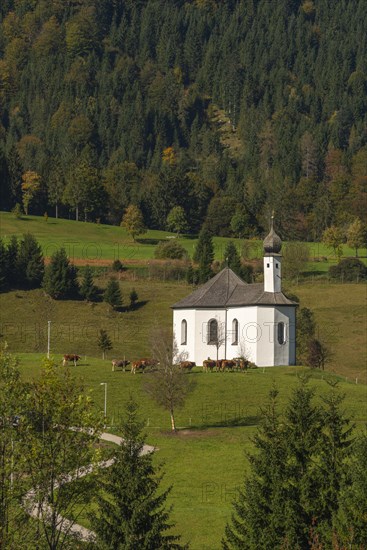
x=133, y=221
x=31, y=182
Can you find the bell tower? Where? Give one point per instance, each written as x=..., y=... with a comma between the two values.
x=272, y=261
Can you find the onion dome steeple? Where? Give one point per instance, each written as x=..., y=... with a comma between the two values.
x=272, y=242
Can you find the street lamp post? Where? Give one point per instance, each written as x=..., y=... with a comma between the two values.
x=48, y=339
x=105, y=397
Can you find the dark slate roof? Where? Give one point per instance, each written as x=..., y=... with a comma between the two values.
x=226, y=289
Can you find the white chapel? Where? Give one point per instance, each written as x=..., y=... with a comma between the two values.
x=227, y=318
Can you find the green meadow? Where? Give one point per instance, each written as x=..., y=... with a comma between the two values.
x=100, y=244
x=206, y=461
x=340, y=312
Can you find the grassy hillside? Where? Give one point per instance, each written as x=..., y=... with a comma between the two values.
x=340, y=311
x=206, y=461
x=100, y=244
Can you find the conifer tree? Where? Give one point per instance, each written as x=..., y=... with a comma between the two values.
x=112, y=294
x=131, y=508
x=298, y=472
x=334, y=450
x=257, y=518
x=231, y=258
x=306, y=327
x=60, y=279
x=14, y=274
x=88, y=290
x=303, y=424
x=350, y=524
x=30, y=262
x=104, y=342
x=204, y=254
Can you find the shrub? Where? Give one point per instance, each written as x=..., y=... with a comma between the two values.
x=117, y=266
x=171, y=250
x=17, y=211
x=168, y=271
x=349, y=269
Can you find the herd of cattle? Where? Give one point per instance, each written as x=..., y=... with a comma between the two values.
x=141, y=365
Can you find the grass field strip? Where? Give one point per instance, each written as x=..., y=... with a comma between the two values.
x=63, y=524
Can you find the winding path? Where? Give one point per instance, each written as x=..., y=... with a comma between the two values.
x=66, y=526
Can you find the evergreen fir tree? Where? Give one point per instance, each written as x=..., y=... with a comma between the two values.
x=204, y=254
x=112, y=294
x=334, y=450
x=60, y=279
x=30, y=262
x=258, y=511
x=14, y=274
x=297, y=477
x=350, y=523
x=306, y=327
x=131, y=510
x=192, y=276
x=303, y=423
x=104, y=342
x=88, y=290
x=231, y=258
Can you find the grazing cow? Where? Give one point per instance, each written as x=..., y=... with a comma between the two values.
x=142, y=364
x=209, y=364
x=187, y=365
x=137, y=365
x=241, y=363
x=117, y=363
x=227, y=364
x=70, y=357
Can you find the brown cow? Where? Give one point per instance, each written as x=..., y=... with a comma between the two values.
x=119, y=363
x=142, y=364
x=227, y=364
x=137, y=365
x=187, y=365
x=209, y=364
x=70, y=357
x=241, y=363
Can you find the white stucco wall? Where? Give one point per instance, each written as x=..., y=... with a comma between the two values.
x=273, y=273
x=247, y=334
x=258, y=336
x=187, y=351
x=203, y=350
x=285, y=354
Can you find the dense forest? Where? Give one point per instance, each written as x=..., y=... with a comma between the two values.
x=226, y=108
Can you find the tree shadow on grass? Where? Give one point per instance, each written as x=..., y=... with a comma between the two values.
x=313, y=273
x=135, y=307
x=230, y=422
x=149, y=241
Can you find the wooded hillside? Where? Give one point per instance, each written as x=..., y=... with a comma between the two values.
x=220, y=107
